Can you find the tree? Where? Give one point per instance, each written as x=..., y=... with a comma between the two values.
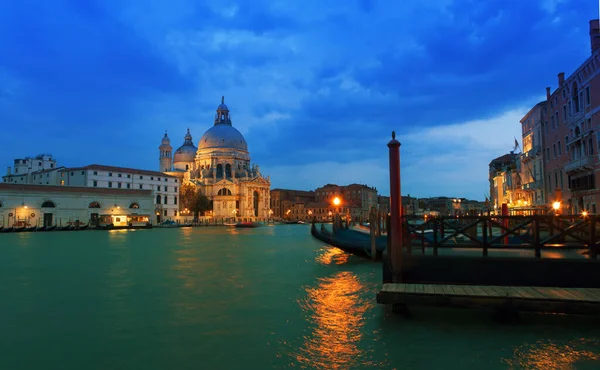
x=187, y=196
x=201, y=204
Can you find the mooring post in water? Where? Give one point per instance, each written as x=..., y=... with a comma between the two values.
x=373, y=232
x=395, y=236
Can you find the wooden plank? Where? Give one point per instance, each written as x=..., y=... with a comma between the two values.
x=447, y=289
x=531, y=292
x=478, y=290
x=428, y=288
x=459, y=290
x=437, y=288
x=469, y=290
x=399, y=288
x=524, y=292
x=419, y=289
x=589, y=294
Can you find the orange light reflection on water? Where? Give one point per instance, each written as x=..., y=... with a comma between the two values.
x=548, y=356
x=332, y=255
x=336, y=310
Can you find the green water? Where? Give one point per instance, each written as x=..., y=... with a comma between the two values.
x=221, y=298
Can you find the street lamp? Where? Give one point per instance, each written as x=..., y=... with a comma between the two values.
x=556, y=206
x=309, y=215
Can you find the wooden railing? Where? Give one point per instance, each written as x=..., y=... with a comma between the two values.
x=537, y=232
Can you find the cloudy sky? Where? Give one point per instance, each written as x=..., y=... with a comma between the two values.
x=316, y=87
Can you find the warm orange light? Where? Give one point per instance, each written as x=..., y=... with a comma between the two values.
x=584, y=213
x=556, y=205
x=336, y=201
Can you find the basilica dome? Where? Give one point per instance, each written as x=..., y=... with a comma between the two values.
x=187, y=152
x=223, y=134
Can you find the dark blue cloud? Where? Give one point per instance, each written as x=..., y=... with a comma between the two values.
x=339, y=75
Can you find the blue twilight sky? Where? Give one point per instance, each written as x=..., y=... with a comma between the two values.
x=316, y=87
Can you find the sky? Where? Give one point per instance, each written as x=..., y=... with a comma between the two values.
x=315, y=87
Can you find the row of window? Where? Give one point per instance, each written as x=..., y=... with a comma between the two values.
x=141, y=177
x=164, y=199
x=128, y=186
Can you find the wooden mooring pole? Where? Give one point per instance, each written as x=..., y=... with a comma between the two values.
x=395, y=236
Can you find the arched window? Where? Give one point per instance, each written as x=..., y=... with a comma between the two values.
x=219, y=171
x=187, y=167
x=134, y=205
x=94, y=205
x=158, y=199
x=224, y=191
x=48, y=204
x=227, y=170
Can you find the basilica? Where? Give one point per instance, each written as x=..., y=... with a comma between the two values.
x=220, y=168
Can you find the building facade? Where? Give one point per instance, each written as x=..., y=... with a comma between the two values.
x=26, y=205
x=221, y=169
x=532, y=159
x=283, y=199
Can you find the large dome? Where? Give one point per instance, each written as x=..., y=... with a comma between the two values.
x=223, y=136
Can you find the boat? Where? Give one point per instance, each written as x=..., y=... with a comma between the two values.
x=246, y=224
x=66, y=228
x=32, y=228
x=7, y=229
x=229, y=224
x=291, y=222
x=82, y=227
x=350, y=241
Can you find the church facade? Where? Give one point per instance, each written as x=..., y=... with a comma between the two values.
x=221, y=169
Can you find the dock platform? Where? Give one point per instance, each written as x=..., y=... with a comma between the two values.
x=515, y=298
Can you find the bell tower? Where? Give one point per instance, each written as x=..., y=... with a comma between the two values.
x=222, y=116
x=165, y=158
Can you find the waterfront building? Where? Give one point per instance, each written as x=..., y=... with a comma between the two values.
x=283, y=199
x=26, y=205
x=353, y=195
x=576, y=108
x=383, y=204
x=220, y=168
x=164, y=188
x=504, y=180
x=42, y=170
x=532, y=159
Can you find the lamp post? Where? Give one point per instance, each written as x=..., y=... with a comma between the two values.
x=310, y=215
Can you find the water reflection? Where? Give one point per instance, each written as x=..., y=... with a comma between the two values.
x=548, y=355
x=331, y=255
x=336, y=312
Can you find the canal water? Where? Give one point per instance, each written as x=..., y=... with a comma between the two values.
x=224, y=298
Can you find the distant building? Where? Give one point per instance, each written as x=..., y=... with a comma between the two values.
x=42, y=170
x=355, y=196
x=504, y=180
x=283, y=199
x=25, y=205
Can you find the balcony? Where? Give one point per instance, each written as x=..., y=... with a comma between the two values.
x=581, y=165
x=534, y=185
x=530, y=154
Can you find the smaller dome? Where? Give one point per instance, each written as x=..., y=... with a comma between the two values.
x=165, y=139
x=187, y=152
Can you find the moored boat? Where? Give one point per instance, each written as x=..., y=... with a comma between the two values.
x=246, y=224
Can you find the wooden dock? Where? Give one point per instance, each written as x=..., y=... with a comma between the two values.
x=515, y=298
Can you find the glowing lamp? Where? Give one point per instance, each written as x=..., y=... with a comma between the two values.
x=556, y=205
x=336, y=201
x=584, y=213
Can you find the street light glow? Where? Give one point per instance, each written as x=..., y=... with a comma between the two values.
x=556, y=205
x=336, y=201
